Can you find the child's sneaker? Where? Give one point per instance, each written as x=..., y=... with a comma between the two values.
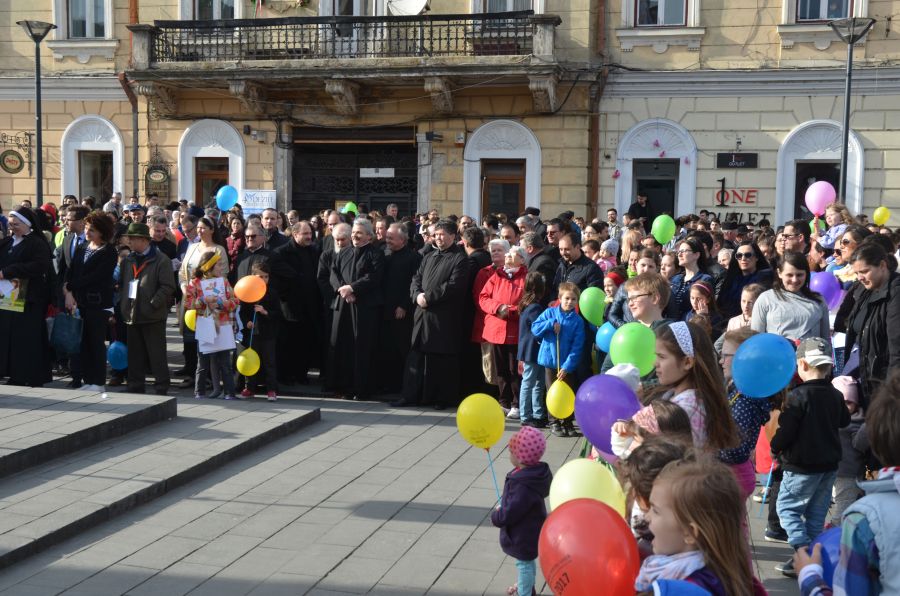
x=762, y=495
x=513, y=413
x=271, y=396
x=246, y=393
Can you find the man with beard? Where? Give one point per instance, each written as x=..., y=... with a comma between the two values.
x=439, y=290
x=301, y=305
x=356, y=275
x=401, y=264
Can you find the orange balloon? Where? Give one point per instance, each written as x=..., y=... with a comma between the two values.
x=250, y=288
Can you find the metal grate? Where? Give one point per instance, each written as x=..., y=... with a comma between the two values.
x=306, y=38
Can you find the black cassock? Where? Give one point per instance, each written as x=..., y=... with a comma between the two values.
x=354, y=328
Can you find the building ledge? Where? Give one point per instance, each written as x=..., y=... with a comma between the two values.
x=84, y=49
x=660, y=38
x=820, y=35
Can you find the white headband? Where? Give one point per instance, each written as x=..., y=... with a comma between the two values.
x=683, y=337
x=20, y=217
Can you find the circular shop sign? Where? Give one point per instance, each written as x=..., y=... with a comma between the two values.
x=157, y=176
x=11, y=161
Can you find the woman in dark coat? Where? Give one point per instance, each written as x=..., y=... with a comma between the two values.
x=25, y=260
x=747, y=266
x=89, y=288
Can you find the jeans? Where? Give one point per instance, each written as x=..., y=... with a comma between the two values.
x=803, y=503
x=846, y=492
x=532, y=392
x=526, y=570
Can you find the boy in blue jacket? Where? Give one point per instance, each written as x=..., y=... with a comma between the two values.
x=561, y=331
x=522, y=512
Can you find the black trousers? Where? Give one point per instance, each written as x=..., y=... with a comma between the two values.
x=147, y=346
x=93, y=346
x=431, y=378
x=772, y=499
x=191, y=353
x=393, y=349
x=268, y=367
x=294, y=357
x=506, y=367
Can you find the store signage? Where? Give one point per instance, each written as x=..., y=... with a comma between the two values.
x=737, y=160
x=737, y=196
x=11, y=161
x=255, y=201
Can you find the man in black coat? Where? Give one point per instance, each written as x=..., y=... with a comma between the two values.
x=62, y=261
x=575, y=267
x=274, y=237
x=538, y=259
x=395, y=332
x=439, y=290
x=255, y=251
x=301, y=306
x=471, y=367
x=640, y=210
x=356, y=276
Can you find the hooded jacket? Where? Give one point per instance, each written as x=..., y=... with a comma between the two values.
x=522, y=511
x=571, y=338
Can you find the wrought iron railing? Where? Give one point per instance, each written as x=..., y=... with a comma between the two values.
x=487, y=34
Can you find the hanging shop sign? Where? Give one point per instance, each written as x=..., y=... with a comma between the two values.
x=12, y=161
x=737, y=160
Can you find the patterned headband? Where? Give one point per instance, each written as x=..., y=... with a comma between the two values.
x=683, y=337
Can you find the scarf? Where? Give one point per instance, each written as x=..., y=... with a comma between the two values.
x=511, y=271
x=678, y=566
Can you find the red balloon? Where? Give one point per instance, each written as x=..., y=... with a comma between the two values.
x=250, y=288
x=584, y=545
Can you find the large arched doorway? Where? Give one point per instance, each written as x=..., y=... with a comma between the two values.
x=92, y=158
x=210, y=154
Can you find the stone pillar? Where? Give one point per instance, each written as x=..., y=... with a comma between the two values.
x=544, y=34
x=142, y=45
x=423, y=186
x=283, y=170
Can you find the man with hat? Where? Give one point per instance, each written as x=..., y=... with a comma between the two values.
x=147, y=289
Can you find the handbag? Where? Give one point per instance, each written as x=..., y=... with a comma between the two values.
x=66, y=335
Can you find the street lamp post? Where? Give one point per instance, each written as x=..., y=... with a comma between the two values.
x=849, y=31
x=37, y=31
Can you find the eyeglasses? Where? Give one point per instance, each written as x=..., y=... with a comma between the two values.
x=636, y=297
x=743, y=255
x=847, y=241
x=684, y=251
x=250, y=235
x=791, y=236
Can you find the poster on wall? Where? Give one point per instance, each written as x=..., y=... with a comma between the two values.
x=255, y=201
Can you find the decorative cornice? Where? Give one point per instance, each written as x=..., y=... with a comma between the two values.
x=84, y=49
x=161, y=98
x=344, y=93
x=251, y=95
x=820, y=35
x=441, y=94
x=86, y=88
x=756, y=83
x=660, y=38
x=543, y=92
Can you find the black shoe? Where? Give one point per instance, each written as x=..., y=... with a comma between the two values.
x=439, y=407
x=787, y=568
x=775, y=536
x=527, y=422
x=402, y=403
x=571, y=432
x=540, y=423
x=185, y=383
x=557, y=430
x=180, y=372
x=74, y=384
x=161, y=391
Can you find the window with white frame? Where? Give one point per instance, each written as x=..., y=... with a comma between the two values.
x=86, y=19
x=213, y=10
x=823, y=10
x=506, y=5
x=660, y=13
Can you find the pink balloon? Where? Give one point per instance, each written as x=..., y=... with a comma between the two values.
x=820, y=195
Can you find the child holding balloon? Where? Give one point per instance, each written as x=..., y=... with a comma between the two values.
x=260, y=322
x=521, y=512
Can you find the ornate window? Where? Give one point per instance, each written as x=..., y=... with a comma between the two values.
x=806, y=21
x=85, y=30
x=87, y=18
x=660, y=24
x=823, y=10
x=660, y=13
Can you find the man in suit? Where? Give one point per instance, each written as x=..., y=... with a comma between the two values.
x=64, y=253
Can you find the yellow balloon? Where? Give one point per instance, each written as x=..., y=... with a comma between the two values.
x=881, y=216
x=480, y=420
x=586, y=479
x=560, y=399
x=190, y=319
x=248, y=362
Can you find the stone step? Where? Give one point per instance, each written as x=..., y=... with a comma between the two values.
x=39, y=425
x=46, y=504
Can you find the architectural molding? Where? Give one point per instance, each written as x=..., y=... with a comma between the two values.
x=209, y=138
x=500, y=139
x=161, y=98
x=650, y=139
x=817, y=140
x=90, y=133
x=251, y=95
x=821, y=36
x=661, y=38
x=441, y=94
x=543, y=92
x=345, y=94
x=60, y=17
x=90, y=88
x=84, y=49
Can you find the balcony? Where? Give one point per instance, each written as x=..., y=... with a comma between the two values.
x=265, y=56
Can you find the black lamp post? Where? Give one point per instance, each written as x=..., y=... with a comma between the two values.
x=37, y=31
x=850, y=31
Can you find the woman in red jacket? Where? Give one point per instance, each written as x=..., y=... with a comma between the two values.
x=499, y=300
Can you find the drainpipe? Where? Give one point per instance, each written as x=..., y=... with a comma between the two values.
x=123, y=81
x=594, y=151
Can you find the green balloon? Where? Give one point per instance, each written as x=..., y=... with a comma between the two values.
x=663, y=228
x=634, y=344
x=350, y=208
x=592, y=304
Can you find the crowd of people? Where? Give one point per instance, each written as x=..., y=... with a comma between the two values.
x=424, y=310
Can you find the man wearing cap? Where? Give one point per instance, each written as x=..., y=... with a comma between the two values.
x=147, y=289
x=729, y=233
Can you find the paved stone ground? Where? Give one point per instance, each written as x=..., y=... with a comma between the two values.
x=370, y=500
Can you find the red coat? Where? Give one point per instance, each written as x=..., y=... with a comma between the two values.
x=500, y=290
x=478, y=323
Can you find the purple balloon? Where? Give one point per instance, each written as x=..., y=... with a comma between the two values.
x=826, y=284
x=599, y=403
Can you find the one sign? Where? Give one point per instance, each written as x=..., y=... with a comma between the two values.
x=255, y=201
x=11, y=161
x=737, y=196
x=737, y=160
x=376, y=172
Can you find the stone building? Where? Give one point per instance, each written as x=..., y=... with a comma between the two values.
x=467, y=106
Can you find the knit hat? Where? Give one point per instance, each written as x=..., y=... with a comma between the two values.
x=196, y=211
x=646, y=419
x=611, y=246
x=528, y=445
x=616, y=277
x=628, y=373
x=848, y=387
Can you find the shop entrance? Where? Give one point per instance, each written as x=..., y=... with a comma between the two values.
x=658, y=179
x=809, y=172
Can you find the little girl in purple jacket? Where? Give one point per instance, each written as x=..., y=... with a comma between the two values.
x=521, y=512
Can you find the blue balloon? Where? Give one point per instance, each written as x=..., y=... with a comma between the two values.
x=604, y=336
x=831, y=552
x=117, y=354
x=764, y=365
x=226, y=198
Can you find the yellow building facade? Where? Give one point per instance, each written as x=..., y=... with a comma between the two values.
x=467, y=106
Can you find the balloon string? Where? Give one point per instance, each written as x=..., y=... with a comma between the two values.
x=493, y=474
x=558, y=363
x=252, y=330
x=766, y=490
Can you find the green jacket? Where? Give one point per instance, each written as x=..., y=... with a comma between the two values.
x=156, y=287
